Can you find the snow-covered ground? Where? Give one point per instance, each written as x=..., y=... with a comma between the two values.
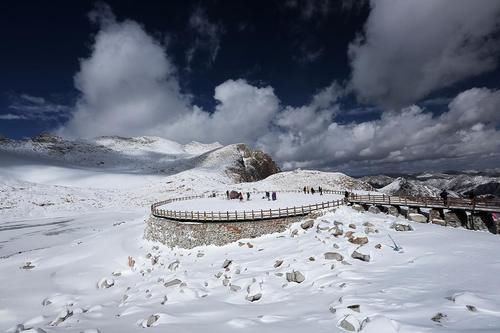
x=257, y=201
x=66, y=235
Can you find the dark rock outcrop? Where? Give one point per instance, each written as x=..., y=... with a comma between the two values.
x=253, y=165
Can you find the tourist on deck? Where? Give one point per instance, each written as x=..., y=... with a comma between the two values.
x=240, y=196
x=267, y=196
x=274, y=196
x=346, y=196
x=305, y=190
x=320, y=190
x=227, y=194
x=472, y=197
x=444, y=196
x=248, y=196
x=312, y=190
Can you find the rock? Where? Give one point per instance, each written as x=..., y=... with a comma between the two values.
x=368, y=224
x=172, y=283
x=336, y=246
x=374, y=210
x=105, y=283
x=333, y=256
x=354, y=307
x=401, y=227
x=295, y=276
x=311, y=259
x=415, y=217
x=28, y=265
x=471, y=308
x=343, y=262
x=250, y=245
x=352, y=226
x=116, y=274
x=357, y=207
x=61, y=317
x=359, y=240
x=278, y=263
x=337, y=223
x=360, y=256
x=149, y=255
x=174, y=265
x=226, y=263
x=152, y=320
x=307, y=224
x=200, y=254
x=234, y=288
x=241, y=244
x=349, y=234
x=370, y=230
x=378, y=246
x=350, y=323
x=439, y=317
x=294, y=233
x=337, y=231
x=393, y=211
x=225, y=282
x=439, y=222
x=254, y=298
x=218, y=275
x=332, y=266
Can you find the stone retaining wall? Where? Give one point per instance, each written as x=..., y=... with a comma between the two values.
x=191, y=234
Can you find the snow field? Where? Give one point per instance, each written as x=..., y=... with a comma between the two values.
x=438, y=270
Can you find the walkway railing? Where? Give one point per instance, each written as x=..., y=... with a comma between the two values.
x=251, y=215
x=478, y=204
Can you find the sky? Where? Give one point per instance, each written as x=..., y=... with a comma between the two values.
x=362, y=87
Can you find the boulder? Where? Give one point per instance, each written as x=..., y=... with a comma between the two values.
x=234, y=288
x=360, y=256
x=374, y=210
x=152, y=320
x=368, y=224
x=226, y=263
x=352, y=226
x=401, y=227
x=350, y=323
x=278, y=263
x=307, y=224
x=333, y=256
x=359, y=240
x=357, y=207
x=415, y=217
x=105, y=283
x=295, y=276
x=393, y=211
x=254, y=298
x=172, y=283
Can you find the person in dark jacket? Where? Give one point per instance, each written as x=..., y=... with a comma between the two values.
x=320, y=191
x=472, y=197
x=312, y=190
x=305, y=190
x=248, y=196
x=444, y=196
x=274, y=196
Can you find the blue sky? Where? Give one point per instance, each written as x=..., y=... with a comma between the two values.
x=318, y=84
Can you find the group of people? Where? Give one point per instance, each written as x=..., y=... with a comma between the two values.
x=236, y=195
x=311, y=190
x=270, y=196
x=471, y=195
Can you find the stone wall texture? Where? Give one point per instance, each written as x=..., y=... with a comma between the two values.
x=191, y=234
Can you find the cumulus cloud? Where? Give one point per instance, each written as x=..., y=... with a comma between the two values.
x=129, y=87
x=411, y=48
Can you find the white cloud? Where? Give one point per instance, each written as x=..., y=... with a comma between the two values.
x=129, y=87
x=11, y=116
x=412, y=48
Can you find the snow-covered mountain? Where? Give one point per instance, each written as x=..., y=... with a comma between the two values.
x=482, y=183
x=69, y=224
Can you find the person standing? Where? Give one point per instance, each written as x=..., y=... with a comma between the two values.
x=274, y=196
x=444, y=196
x=320, y=190
x=248, y=196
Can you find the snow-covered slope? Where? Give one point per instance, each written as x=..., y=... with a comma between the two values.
x=67, y=229
x=405, y=187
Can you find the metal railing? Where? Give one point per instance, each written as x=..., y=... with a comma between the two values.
x=478, y=204
x=251, y=215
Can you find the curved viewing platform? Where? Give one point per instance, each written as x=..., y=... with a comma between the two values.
x=218, y=208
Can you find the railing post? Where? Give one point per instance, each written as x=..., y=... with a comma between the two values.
x=244, y=215
x=252, y=215
x=227, y=215
x=236, y=215
x=204, y=216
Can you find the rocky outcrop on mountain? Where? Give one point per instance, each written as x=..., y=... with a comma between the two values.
x=405, y=187
x=253, y=165
x=377, y=181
